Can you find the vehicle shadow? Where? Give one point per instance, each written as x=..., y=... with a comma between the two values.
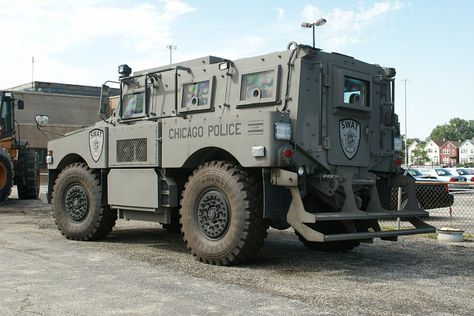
x=282, y=254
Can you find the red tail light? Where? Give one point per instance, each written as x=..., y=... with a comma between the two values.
x=452, y=180
x=446, y=189
x=287, y=153
x=472, y=179
x=398, y=162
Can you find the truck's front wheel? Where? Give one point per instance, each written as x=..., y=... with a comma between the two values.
x=77, y=204
x=221, y=214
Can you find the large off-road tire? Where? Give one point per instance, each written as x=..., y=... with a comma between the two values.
x=6, y=175
x=330, y=246
x=77, y=204
x=28, y=182
x=221, y=214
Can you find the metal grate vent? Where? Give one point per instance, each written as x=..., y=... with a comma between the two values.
x=129, y=150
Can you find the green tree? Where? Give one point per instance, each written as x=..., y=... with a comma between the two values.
x=411, y=140
x=457, y=130
x=419, y=155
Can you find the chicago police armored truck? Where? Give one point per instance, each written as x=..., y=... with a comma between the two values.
x=221, y=150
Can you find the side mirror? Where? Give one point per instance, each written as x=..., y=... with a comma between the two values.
x=104, y=100
x=42, y=120
x=20, y=104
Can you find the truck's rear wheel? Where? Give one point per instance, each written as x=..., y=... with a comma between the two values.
x=77, y=205
x=221, y=214
x=330, y=246
x=6, y=175
x=29, y=175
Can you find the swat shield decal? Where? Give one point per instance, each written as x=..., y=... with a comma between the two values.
x=96, y=143
x=349, y=134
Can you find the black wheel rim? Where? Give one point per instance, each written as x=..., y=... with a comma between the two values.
x=76, y=202
x=213, y=214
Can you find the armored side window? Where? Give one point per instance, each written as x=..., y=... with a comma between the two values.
x=356, y=92
x=133, y=105
x=195, y=94
x=259, y=87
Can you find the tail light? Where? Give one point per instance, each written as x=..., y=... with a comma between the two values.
x=287, y=154
x=472, y=179
x=398, y=162
x=452, y=180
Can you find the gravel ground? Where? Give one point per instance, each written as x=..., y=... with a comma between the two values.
x=415, y=275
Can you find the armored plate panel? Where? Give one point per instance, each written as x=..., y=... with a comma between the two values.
x=131, y=188
x=236, y=134
x=90, y=143
x=134, y=145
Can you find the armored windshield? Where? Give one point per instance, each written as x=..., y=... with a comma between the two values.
x=356, y=91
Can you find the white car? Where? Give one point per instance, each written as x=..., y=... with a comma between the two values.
x=466, y=172
x=442, y=174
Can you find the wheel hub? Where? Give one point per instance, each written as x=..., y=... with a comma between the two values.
x=213, y=214
x=77, y=203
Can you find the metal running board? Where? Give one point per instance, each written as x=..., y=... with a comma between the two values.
x=360, y=215
x=370, y=235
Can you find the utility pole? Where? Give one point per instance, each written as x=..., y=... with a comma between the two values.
x=171, y=48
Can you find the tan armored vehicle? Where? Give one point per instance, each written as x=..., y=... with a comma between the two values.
x=224, y=149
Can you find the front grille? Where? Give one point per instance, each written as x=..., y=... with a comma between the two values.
x=129, y=150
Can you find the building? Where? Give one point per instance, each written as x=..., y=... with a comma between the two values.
x=433, y=150
x=68, y=106
x=449, y=154
x=410, y=152
x=466, y=152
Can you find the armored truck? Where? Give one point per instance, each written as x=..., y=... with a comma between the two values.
x=221, y=150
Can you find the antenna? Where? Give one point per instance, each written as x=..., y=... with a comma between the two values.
x=32, y=72
x=171, y=47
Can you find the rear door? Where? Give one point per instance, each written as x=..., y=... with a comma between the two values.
x=348, y=118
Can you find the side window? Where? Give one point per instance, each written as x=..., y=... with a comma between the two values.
x=356, y=92
x=195, y=94
x=259, y=87
x=133, y=105
x=259, y=84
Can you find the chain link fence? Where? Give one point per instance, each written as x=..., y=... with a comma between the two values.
x=448, y=204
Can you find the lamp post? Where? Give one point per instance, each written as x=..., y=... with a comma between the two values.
x=171, y=48
x=406, y=123
x=308, y=25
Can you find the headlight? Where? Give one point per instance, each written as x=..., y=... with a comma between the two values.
x=282, y=131
x=397, y=144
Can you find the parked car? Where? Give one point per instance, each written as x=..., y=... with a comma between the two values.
x=466, y=172
x=431, y=193
x=442, y=174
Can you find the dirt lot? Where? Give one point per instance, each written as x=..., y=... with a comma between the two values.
x=141, y=269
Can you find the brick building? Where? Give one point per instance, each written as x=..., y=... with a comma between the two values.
x=449, y=154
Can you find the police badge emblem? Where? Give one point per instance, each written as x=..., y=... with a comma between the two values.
x=96, y=143
x=349, y=134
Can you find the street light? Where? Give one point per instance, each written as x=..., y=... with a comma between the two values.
x=308, y=25
x=406, y=125
x=171, y=48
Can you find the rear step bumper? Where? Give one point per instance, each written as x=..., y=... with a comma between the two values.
x=381, y=234
x=360, y=215
x=297, y=217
